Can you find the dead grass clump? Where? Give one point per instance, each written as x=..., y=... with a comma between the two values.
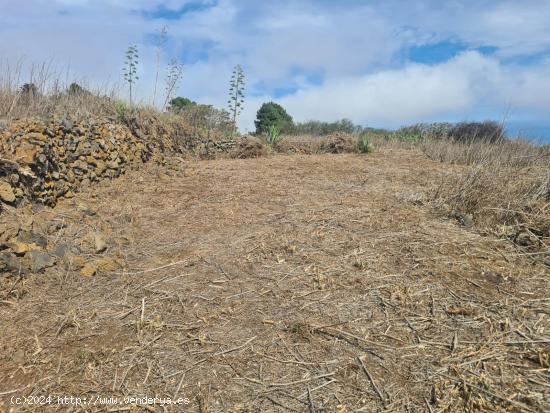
x=504, y=153
x=339, y=142
x=504, y=186
x=170, y=133
x=248, y=147
x=43, y=94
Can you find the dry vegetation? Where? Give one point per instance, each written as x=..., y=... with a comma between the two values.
x=503, y=187
x=287, y=283
x=337, y=142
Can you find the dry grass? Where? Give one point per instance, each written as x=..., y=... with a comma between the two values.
x=289, y=283
x=505, y=187
x=49, y=97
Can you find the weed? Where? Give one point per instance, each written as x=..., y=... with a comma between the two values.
x=273, y=136
x=121, y=110
x=364, y=143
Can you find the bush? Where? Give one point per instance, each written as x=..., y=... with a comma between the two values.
x=122, y=110
x=76, y=90
x=29, y=90
x=364, y=143
x=315, y=127
x=273, y=136
x=178, y=104
x=488, y=131
x=272, y=114
x=206, y=118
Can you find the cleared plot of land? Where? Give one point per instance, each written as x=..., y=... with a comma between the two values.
x=293, y=283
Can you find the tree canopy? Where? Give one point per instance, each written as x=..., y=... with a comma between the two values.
x=272, y=114
x=179, y=103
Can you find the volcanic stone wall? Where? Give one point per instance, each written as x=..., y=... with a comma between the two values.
x=42, y=161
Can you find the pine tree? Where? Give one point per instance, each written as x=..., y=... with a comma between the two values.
x=236, y=95
x=130, y=68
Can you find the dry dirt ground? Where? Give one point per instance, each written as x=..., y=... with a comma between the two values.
x=319, y=283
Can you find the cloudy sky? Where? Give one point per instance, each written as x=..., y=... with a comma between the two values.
x=380, y=63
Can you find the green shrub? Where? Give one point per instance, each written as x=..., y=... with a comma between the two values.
x=315, y=127
x=364, y=143
x=273, y=136
x=178, y=104
x=488, y=131
x=410, y=138
x=121, y=110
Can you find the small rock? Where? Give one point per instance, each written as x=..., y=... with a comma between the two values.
x=61, y=250
x=6, y=192
x=88, y=270
x=55, y=226
x=466, y=220
x=100, y=244
x=30, y=237
x=85, y=209
x=67, y=125
x=107, y=264
x=20, y=248
x=25, y=154
x=8, y=262
x=40, y=260
x=8, y=230
x=74, y=262
x=19, y=357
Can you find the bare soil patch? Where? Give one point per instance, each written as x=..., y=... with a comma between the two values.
x=317, y=283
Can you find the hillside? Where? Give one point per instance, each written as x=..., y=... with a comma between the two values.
x=323, y=282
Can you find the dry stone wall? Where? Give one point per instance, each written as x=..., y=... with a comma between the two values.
x=42, y=161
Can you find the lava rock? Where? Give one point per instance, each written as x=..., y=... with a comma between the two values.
x=40, y=260
x=6, y=192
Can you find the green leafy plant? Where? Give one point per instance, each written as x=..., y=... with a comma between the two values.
x=410, y=138
x=273, y=136
x=364, y=143
x=121, y=110
x=130, y=68
x=236, y=95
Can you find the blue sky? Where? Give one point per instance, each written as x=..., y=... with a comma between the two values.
x=380, y=63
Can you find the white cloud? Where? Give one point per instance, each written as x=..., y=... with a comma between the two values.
x=420, y=92
x=356, y=49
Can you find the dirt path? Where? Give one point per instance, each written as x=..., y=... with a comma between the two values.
x=293, y=283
